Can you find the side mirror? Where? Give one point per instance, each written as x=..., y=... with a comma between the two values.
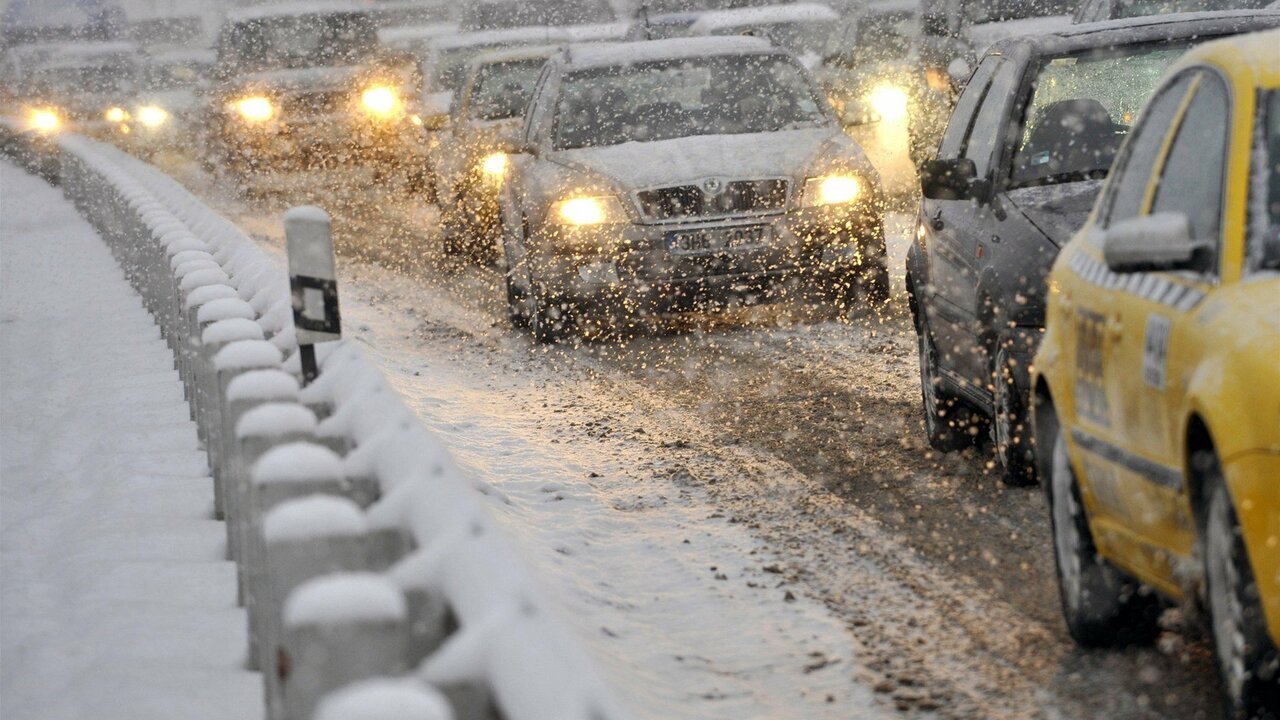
x=1162, y=241
x=953, y=179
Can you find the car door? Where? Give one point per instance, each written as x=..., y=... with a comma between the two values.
x=940, y=219
x=968, y=226
x=1100, y=385
x=1153, y=318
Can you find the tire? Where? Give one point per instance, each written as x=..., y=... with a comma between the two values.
x=551, y=319
x=1247, y=660
x=1101, y=606
x=949, y=423
x=1011, y=433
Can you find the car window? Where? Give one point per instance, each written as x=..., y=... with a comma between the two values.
x=989, y=124
x=1081, y=108
x=1191, y=179
x=1263, y=252
x=962, y=117
x=1129, y=184
x=503, y=90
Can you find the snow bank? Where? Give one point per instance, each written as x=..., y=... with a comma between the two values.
x=298, y=462
x=344, y=597
x=275, y=419
x=315, y=516
x=384, y=699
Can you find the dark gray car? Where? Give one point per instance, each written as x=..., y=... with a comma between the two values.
x=1021, y=161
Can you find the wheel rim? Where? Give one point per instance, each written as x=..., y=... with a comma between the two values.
x=1226, y=610
x=1067, y=541
x=1002, y=428
x=928, y=382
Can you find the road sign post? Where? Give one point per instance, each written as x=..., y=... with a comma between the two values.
x=313, y=282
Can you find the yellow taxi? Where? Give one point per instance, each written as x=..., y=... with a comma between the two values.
x=1157, y=385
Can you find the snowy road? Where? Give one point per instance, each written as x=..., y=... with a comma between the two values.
x=115, y=599
x=829, y=551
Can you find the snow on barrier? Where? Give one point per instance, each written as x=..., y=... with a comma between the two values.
x=377, y=582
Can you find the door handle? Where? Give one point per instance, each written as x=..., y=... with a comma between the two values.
x=1115, y=328
x=937, y=220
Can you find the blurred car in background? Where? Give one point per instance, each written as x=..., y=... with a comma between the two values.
x=415, y=39
x=307, y=86
x=87, y=84
x=167, y=110
x=469, y=162
x=668, y=175
x=502, y=14
x=1019, y=166
x=661, y=26
x=1095, y=10
x=1157, y=383
x=802, y=28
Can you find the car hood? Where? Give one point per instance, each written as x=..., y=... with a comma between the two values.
x=1059, y=210
x=637, y=165
x=307, y=79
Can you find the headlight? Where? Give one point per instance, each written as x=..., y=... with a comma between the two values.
x=588, y=211
x=152, y=116
x=381, y=101
x=255, y=109
x=889, y=102
x=115, y=115
x=831, y=190
x=495, y=165
x=45, y=120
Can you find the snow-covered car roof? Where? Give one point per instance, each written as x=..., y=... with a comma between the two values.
x=292, y=9
x=596, y=31
x=528, y=52
x=585, y=56
x=485, y=38
x=412, y=34
x=1151, y=28
x=709, y=22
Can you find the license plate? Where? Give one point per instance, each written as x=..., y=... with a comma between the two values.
x=713, y=240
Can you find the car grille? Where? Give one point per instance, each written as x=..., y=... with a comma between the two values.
x=316, y=103
x=740, y=197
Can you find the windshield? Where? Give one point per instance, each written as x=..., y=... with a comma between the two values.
x=798, y=37
x=503, y=90
x=451, y=67
x=652, y=101
x=170, y=77
x=517, y=13
x=1139, y=8
x=1081, y=108
x=299, y=41
x=91, y=79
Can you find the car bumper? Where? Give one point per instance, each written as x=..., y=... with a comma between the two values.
x=631, y=265
x=1253, y=479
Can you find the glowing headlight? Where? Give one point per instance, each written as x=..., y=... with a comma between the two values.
x=889, y=102
x=115, y=115
x=381, y=101
x=255, y=109
x=45, y=120
x=587, y=211
x=152, y=116
x=831, y=190
x=495, y=165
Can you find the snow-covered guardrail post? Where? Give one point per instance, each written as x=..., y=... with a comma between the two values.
x=339, y=629
x=384, y=699
x=243, y=393
x=302, y=538
x=313, y=282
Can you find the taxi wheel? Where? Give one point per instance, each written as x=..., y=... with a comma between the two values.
x=1100, y=605
x=1247, y=661
x=550, y=319
x=1011, y=423
x=515, y=294
x=948, y=421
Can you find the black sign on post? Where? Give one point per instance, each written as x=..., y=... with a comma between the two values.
x=308, y=233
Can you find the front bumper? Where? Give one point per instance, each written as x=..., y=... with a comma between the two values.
x=1253, y=479
x=630, y=264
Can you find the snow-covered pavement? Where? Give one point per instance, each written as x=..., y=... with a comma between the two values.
x=115, y=598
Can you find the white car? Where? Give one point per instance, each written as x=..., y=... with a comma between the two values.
x=660, y=176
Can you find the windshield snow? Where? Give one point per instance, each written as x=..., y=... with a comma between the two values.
x=1081, y=108
x=503, y=90
x=662, y=100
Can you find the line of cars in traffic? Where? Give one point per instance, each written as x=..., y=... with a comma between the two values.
x=1095, y=274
